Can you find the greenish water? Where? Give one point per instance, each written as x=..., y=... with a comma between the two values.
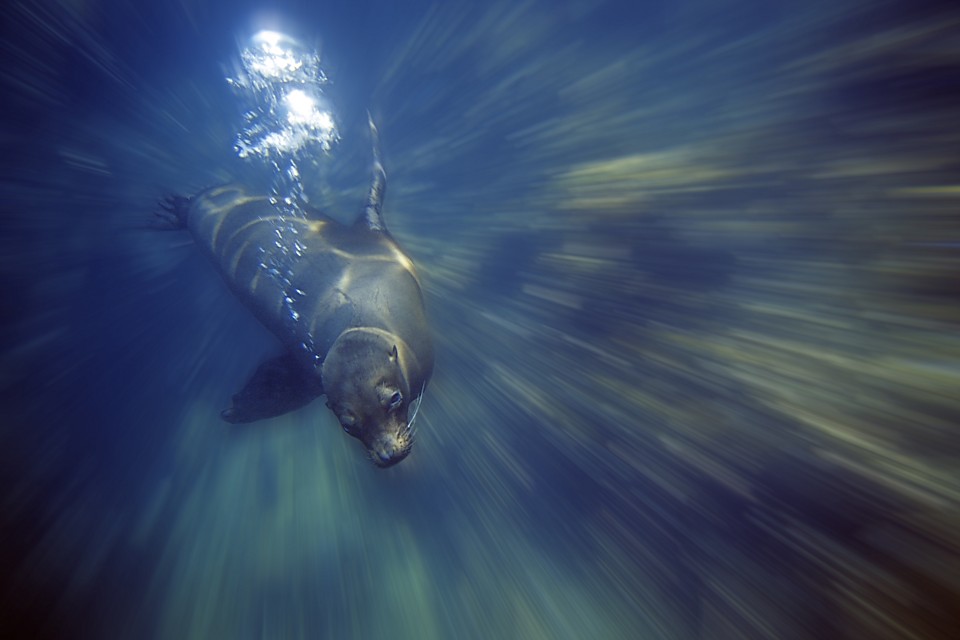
x=691, y=274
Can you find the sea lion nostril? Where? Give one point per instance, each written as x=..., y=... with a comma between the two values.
x=385, y=459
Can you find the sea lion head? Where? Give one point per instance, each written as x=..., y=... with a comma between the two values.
x=368, y=390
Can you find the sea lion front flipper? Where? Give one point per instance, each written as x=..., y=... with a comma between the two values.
x=278, y=386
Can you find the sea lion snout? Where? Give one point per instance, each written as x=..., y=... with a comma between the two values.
x=389, y=448
x=387, y=442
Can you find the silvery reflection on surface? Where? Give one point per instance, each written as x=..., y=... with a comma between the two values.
x=287, y=117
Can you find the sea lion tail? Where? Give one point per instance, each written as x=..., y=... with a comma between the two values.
x=373, y=211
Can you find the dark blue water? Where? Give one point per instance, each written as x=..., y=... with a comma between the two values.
x=691, y=273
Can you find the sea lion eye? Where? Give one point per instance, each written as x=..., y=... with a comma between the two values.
x=347, y=420
x=396, y=399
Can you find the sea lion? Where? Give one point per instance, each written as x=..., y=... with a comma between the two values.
x=344, y=300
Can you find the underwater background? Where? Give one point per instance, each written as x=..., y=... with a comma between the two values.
x=693, y=270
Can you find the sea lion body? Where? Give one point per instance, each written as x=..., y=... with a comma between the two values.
x=310, y=279
x=344, y=301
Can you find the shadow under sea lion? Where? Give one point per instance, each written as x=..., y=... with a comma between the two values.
x=344, y=300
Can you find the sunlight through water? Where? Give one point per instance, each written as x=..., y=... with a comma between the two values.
x=286, y=114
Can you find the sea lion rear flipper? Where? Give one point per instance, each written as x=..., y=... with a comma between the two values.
x=278, y=386
x=372, y=216
x=173, y=213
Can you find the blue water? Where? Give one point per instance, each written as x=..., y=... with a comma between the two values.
x=687, y=266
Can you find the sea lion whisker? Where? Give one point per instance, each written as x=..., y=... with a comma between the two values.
x=416, y=409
